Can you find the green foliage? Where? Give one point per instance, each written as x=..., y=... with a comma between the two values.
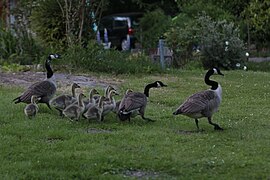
x=170, y=148
x=17, y=44
x=7, y=67
x=204, y=38
x=181, y=37
x=257, y=15
x=49, y=24
x=258, y=66
x=7, y=44
x=153, y=25
x=94, y=58
x=195, y=64
x=61, y=24
x=185, y=34
x=221, y=45
x=18, y=47
x=192, y=9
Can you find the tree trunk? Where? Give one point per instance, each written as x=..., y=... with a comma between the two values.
x=82, y=16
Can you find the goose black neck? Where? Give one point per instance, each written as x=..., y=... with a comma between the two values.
x=213, y=84
x=147, y=88
x=49, y=69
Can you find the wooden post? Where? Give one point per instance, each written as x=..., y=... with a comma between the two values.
x=161, y=53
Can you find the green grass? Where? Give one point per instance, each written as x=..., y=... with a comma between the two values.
x=54, y=148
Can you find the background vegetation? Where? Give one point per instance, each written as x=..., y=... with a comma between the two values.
x=53, y=26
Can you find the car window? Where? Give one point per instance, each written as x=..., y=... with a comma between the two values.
x=105, y=23
x=120, y=24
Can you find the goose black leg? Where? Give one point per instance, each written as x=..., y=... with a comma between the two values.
x=141, y=111
x=216, y=127
x=197, y=124
x=147, y=119
x=84, y=116
x=49, y=106
x=60, y=112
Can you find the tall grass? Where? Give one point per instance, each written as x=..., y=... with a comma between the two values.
x=259, y=66
x=18, y=46
x=94, y=58
x=170, y=148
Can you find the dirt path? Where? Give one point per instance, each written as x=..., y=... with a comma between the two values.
x=64, y=81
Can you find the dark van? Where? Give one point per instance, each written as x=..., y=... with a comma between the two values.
x=120, y=29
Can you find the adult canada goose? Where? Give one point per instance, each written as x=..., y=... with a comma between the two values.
x=115, y=110
x=135, y=102
x=44, y=89
x=204, y=103
x=95, y=112
x=31, y=109
x=75, y=110
x=62, y=101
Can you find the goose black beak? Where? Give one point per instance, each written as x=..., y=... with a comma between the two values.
x=58, y=56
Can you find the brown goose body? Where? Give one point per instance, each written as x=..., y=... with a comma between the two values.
x=135, y=103
x=117, y=104
x=201, y=104
x=204, y=103
x=44, y=90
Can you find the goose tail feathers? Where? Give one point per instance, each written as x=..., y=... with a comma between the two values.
x=178, y=111
x=17, y=100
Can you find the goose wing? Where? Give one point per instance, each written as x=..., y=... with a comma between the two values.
x=199, y=102
x=133, y=101
x=40, y=89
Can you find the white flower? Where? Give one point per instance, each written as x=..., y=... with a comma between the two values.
x=247, y=54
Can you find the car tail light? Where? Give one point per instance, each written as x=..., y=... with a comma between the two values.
x=130, y=31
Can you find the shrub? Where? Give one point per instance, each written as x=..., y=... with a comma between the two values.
x=181, y=36
x=94, y=58
x=48, y=24
x=153, y=25
x=18, y=47
x=7, y=44
x=220, y=43
x=216, y=43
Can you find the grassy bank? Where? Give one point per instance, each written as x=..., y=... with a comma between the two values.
x=170, y=148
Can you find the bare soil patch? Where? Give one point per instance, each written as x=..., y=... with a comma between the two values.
x=64, y=81
x=141, y=174
x=186, y=132
x=96, y=131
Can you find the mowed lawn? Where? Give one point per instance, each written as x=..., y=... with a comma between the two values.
x=51, y=147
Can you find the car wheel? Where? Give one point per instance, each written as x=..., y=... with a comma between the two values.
x=124, y=45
